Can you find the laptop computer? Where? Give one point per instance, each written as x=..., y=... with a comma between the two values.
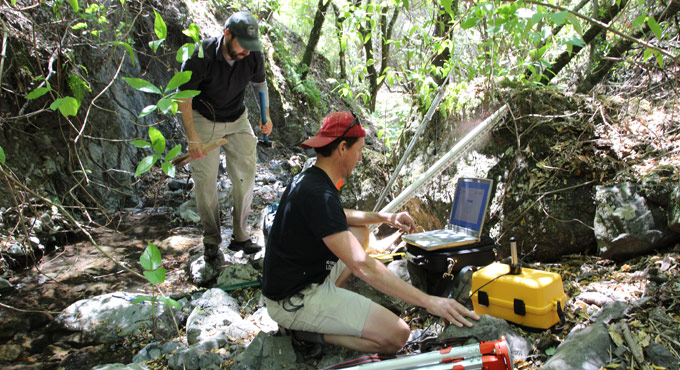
x=466, y=221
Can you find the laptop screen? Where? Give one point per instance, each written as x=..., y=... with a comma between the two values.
x=472, y=197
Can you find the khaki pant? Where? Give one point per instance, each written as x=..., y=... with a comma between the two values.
x=322, y=308
x=241, y=154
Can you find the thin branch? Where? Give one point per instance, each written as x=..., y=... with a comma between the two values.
x=605, y=26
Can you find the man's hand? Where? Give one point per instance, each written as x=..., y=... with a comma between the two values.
x=451, y=311
x=266, y=128
x=196, y=149
x=403, y=221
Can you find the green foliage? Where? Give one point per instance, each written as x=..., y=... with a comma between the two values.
x=158, y=144
x=2, y=156
x=161, y=31
x=154, y=272
x=168, y=103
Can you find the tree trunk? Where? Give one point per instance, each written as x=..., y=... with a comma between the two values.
x=339, y=20
x=444, y=19
x=589, y=36
x=606, y=64
x=314, y=36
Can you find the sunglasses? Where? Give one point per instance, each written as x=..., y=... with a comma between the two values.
x=355, y=122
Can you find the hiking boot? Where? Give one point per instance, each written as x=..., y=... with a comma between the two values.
x=247, y=246
x=213, y=255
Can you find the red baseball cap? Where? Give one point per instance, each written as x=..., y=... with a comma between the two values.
x=333, y=126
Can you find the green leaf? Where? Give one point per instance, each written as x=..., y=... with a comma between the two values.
x=179, y=79
x=141, y=144
x=35, y=94
x=79, y=26
x=170, y=302
x=141, y=299
x=575, y=41
x=128, y=48
x=194, y=32
x=640, y=20
x=147, y=110
x=447, y=6
x=168, y=168
x=184, y=94
x=155, y=44
x=145, y=164
x=550, y=351
x=74, y=5
x=151, y=258
x=648, y=53
x=142, y=85
x=659, y=58
x=164, y=105
x=559, y=18
x=469, y=23
x=155, y=276
x=651, y=22
x=174, y=152
x=157, y=140
x=575, y=22
x=67, y=106
x=159, y=26
x=184, y=52
x=2, y=156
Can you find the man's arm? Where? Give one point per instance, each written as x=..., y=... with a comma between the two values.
x=187, y=116
x=349, y=250
x=262, y=87
x=401, y=220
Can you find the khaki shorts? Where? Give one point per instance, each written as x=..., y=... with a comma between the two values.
x=322, y=308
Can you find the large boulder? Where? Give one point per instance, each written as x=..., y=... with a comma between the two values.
x=588, y=349
x=215, y=315
x=112, y=317
x=626, y=223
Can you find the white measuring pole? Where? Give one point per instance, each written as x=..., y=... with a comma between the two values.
x=453, y=155
x=425, y=359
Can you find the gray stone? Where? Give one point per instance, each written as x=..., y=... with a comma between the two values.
x=201, y=273
x=586, y=349
x=210, y=360
x=170, y=347
x=216, y=314
x=184, y=359
x=268, y=352
x=674, y=210
x=236, y=274
x=112, y=317
x=610, y=311
x=659, y=355
x=121, y=367
x=625, y=223
x=489, y=328
x=5, y=285
x=150, y=352
x=399, y=268
x=595, y=298
x=187, y=212
x=9, y=352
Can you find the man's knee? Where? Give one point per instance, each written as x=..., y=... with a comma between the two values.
x=395, y=339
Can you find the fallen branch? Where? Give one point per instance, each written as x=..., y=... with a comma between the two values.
x=633, y=345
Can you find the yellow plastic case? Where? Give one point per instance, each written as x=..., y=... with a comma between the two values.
x=533, y=298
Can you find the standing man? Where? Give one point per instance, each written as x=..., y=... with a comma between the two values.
x=315, y=245
x=230, y=63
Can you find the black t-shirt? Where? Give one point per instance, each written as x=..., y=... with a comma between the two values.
x=222, y=86
x=296, y=256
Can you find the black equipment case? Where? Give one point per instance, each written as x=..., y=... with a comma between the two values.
x=435, y=272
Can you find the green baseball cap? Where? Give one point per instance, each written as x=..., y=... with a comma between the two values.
x=244, y=26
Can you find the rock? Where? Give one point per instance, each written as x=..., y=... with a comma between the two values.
x=586, y=349
x=659, y=355
x=121, y=367
x=489, y=328
x=210, y=361
x=112, y=317
x=10, y=324
x=625, y=223
x=9, y=352
x=201, y=273
x=5, y=285
x=268, y=352
x=150, y=352
x=674, y=210
x=216, y=314
x=399, y=268
x=236, y=274
x=184, y=359
x=595, y=298
x=187, y=212
x=610, y=311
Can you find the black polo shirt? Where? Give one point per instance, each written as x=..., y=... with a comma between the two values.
x=296, y=256
x=222, y=86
